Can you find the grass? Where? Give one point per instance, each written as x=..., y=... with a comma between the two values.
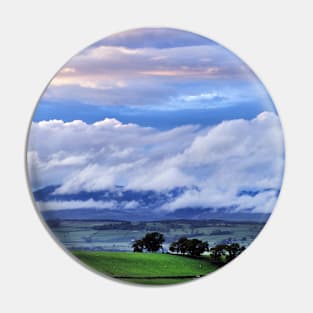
x=141, y=267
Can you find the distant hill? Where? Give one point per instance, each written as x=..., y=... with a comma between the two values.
x=147, y=210
x=188, y=214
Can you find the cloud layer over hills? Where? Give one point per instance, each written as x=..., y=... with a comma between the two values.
x=214, y=164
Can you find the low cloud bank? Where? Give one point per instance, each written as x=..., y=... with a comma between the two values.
x=216, y=163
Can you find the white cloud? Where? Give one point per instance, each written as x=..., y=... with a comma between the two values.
x=56, y=205
x=233, y=156
x=220, y=161
x=202, y=96
x=160, y=178
x=69, y=205
x=100, y=155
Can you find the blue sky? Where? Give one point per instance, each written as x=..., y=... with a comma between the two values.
x=154, y=77
x=157, y=109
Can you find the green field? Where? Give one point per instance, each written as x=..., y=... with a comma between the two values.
x=147, y=268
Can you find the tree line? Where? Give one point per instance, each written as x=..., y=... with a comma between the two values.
x=153, y=242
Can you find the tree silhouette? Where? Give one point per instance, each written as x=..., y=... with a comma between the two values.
x=226, y=253
x=192, y=247
x=218, y=252
x=151, y=242
x=138, y=246
x=173, y=247
x=233, y=251
x=196, y=247
x=182, y=244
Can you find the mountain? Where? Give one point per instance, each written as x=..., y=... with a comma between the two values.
x=147, y=209
x=119, y=194
x=193, y=214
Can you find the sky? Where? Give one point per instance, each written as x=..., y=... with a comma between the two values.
x=156, y=109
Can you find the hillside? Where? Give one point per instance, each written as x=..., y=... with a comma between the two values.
x=147, y=268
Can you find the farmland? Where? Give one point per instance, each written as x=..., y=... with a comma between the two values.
x=119, y=235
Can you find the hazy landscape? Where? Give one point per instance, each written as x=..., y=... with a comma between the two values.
x=155, y=156
x=106, y=246
x=119, y=235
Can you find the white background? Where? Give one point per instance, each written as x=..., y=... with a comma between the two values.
x=274, y=38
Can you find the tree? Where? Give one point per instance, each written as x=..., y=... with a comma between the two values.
x=226, y=253
x=173, y=247
x=192, y=247
x=151, y=242
x=182, y=245
x=233, y=250
x=196, y=247
x=138, y=246
x=218, y=252
x=179, y=246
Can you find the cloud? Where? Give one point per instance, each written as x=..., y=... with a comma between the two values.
x=233, y=156
x=110, y=75
x=202, y=96
x=214, y=163
x=103, y=65
x=70, y=205
x=99, y=155
x=263, y=202
x=87, y=204
x=154, y=38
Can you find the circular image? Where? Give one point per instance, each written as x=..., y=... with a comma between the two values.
x=155, y=156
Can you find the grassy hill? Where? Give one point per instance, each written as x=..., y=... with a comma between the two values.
x=147, y=268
